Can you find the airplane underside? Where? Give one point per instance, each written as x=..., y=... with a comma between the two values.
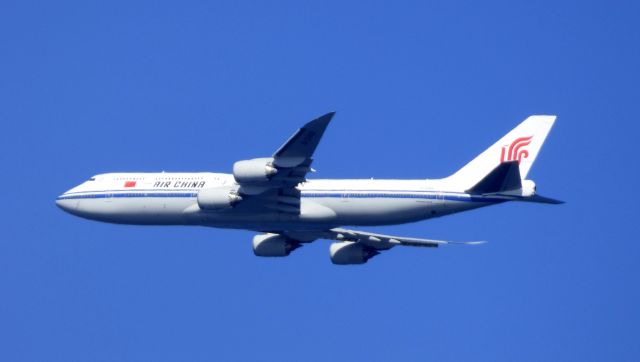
x=314, y=215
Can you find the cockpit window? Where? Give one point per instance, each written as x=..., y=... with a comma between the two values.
x=92, y=179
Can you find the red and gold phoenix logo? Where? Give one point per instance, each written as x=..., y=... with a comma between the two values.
x=516, y=150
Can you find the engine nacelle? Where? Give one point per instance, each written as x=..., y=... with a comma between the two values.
x=216, y=198
x=528, y=188
x=348, y=252
x=273, y=245
x=255, y=171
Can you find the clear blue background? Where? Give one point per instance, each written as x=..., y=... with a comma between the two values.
x=420, y=88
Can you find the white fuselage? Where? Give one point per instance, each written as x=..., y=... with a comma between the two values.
x=171, y=199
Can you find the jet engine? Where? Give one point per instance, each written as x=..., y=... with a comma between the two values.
x=274, y=245
x=216, y=198
x=349, y=252
x=255, y=171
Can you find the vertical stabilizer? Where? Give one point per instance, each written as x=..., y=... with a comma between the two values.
x=522, y=144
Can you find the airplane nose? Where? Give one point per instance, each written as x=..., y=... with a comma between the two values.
x=64, y=204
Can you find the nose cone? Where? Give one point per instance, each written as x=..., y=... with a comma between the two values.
x=62, y=203
x=66, y=204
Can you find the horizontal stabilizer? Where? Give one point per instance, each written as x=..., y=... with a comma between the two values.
x=541, y=200
x=505, y=177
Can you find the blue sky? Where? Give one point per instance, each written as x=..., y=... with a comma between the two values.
x=420, y=88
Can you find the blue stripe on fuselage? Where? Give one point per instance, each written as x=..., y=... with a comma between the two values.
x=127, y=195
x=462, y=197
x=342, y=194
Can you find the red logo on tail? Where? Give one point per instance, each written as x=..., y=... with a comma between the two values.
x=516, y=151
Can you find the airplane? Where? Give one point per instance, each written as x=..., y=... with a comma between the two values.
x=272, y=196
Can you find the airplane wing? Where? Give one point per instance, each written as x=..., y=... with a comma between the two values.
x=384, y=242
x=287, y=167
x=357, y=247
x=300, y=147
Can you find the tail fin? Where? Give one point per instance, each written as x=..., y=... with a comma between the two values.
x=522, y=144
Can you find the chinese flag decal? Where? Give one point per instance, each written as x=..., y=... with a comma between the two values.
x=129, y=184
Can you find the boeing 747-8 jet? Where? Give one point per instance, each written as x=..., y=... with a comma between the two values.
x=272, y=196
